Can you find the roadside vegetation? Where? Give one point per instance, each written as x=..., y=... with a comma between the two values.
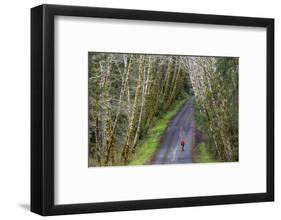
x=204, y=155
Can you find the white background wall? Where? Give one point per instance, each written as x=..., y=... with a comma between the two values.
x=15, y=108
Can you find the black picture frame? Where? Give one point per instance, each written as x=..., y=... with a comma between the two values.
x=42, y=109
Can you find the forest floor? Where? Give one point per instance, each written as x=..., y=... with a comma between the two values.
x=182, y=127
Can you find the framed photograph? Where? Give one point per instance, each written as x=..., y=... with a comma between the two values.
x=136, y=109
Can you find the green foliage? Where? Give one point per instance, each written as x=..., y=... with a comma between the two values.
x=204, y=156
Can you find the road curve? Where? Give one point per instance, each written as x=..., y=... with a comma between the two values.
x=181, y=127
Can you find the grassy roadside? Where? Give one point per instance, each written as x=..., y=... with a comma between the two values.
x=148, y=146
x=204, y=156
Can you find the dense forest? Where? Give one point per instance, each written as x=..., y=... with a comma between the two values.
x=128, y=93
x=215, y=84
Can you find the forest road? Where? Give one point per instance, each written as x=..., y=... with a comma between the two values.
x=181, y=127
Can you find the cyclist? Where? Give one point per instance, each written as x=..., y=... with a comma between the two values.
x=182, y=145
